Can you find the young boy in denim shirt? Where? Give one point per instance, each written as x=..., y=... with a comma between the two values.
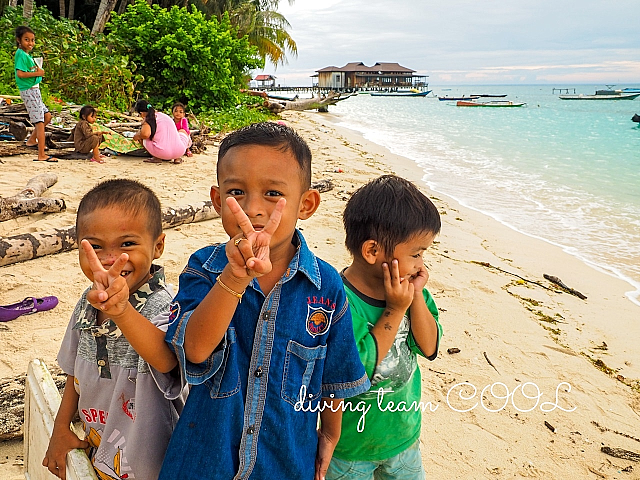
x=389, y=224
x=260, y=326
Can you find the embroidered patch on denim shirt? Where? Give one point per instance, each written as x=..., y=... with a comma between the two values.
x=318, y=320
x=174, y=311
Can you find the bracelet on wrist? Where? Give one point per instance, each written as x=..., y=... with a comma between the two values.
x=230, y=290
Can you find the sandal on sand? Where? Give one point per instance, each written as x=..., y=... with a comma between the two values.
x=48, y=159
x=26, y=307
x=178, y=161
x=152, y=160
x=101, y=160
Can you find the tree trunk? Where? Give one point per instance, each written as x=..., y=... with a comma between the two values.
x=19, y=248
x=123, y=6
x=63, y=12
x=28, y=201
x=13, y=3
x=27, y=10
x=72, y=9
x=104, y=11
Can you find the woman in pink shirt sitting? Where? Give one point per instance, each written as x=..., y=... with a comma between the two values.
x=159, y=135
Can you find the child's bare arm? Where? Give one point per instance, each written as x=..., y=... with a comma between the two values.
x=63, y=440
x=110, y=294
x=328, y=435
x=248, y=256
x=398, y=296
x=423, y=325
x=38, y=72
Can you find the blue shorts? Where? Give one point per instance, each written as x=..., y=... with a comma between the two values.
x=406, y=465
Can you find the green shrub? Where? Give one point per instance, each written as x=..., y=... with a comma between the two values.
x=183, y=56
x=78, y=67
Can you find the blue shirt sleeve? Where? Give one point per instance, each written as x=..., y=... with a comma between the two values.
x=343, y=375
x=194, y=286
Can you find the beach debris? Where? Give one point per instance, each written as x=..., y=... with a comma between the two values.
x=621, y=453
x=489, y=361
x=570, y=290
x=488, y=265
x=627, y=469
x=549, y=426
x=29, y=200
x=605, y=429
x=596, y=472
x=453, y=350
x=19, y=248
x=323, y=185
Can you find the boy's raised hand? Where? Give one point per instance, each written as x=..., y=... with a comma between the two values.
x=419, y=280
x=110, y=292
x=248, y=253
x=398, y=292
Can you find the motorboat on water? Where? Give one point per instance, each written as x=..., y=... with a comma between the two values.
x=608, y=94
x=455, y=99
x=402, y=93
x=493, y=103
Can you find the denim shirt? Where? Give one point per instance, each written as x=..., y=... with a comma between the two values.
x=243, y=417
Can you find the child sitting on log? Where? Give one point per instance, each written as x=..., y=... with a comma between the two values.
x=85, y=140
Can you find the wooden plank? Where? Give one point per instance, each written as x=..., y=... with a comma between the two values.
x=42, y=401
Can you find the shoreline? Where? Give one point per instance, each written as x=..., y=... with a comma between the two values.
x=508, y=330
x=633, y=295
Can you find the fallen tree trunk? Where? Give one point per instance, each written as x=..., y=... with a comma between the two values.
x=29, y=200
x=19, y=248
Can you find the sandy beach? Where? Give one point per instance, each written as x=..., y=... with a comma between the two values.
x=565, y=371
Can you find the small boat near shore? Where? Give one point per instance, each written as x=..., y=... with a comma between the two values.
x=400, y=93
x=455, y=99
x=494, y=103
x=602, y=95
x=489, y=95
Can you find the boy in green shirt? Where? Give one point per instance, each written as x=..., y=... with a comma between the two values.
x=28, y=78
x=389, y=224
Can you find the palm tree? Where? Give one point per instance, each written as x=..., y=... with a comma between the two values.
x=259, y=20
x=27, y=9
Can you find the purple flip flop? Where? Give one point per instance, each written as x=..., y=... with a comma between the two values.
x=26, y=307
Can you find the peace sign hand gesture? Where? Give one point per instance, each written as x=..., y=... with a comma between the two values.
x=248, y=253
x=110, y=292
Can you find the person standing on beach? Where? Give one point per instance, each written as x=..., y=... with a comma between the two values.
x=28, y=78
x=261, y=326
x=389, y=225
x=113, y=352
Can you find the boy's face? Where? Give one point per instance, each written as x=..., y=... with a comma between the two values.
x=257, y=177
x=27, y=41
x=409, y=255
x=113, y=231
x=178, y=113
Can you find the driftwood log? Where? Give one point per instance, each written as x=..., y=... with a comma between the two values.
x=621, y=453
x=29, y=200
x=19, y=248
x=317, y=102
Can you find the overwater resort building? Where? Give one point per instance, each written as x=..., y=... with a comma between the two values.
x=266, y=81
x=380, y=76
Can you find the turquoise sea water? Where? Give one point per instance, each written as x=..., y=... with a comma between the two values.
x=564, y=171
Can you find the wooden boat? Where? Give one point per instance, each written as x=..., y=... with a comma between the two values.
x=455, y=99
x=283, y=97
x=408, y=93
x=495, y=103
x=489, y=95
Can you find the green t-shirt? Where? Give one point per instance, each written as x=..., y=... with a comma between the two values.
x=384, y=433
x=24, y=62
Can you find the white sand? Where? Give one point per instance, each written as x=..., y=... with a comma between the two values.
x=483, y=311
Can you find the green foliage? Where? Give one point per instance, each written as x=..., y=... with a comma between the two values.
x=183, y=56
x=245, y=113
x=79, y=67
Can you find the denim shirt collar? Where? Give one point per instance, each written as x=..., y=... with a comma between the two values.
x=303, y=261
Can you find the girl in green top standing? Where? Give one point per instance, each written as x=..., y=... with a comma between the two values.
x=28, y=78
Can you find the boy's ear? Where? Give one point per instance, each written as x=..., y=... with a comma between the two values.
x=159, y=247
x=216, y=199
x=308, y=204
x=370, y=251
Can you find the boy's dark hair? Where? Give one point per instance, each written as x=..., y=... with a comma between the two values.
x=271, y=134
x=144, y=106
x=20, y=31
x=86, y=111
x=389, y=210
x=130, y=195
x=178, y=104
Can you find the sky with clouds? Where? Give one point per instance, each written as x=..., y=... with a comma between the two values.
x=469, y=41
